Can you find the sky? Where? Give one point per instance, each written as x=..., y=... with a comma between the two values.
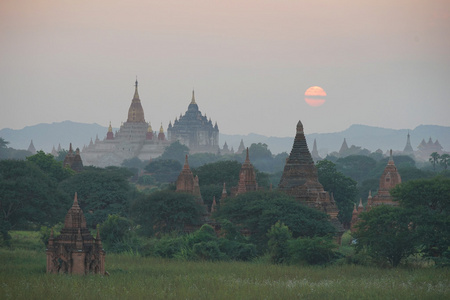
x=382, y=63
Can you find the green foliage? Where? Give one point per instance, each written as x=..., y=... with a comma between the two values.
x=258, y=211
x=175, y=151
x=10, y=153
x=343, y=188
x=387, y=234
x=444, y=160
x=61, y=155
x=101, y=192
x=28, y=196
x=5, y=226
x=199, y=159
x=427, y=200
x=312, y=250
x=3, y=143
x=50, y=166
x=203, y=244
x=22, y=276
x=434, y=159
x=45, y=232
x=279, y=236
x=164, y=170
x=219, y=172
x=211, y=191
x=166, y=211
x=118, y=234
x=356, y=167
x=408, y=173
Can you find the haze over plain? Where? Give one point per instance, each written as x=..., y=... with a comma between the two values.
x=382, y=63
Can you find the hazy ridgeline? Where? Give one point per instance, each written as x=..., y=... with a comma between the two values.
x=22, y=276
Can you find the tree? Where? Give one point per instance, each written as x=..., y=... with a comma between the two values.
x=166, y=211
x=428, y=201
x=175, y=151
x=387, y=233
x=256, y=212
x=48, y=164
x=101, y=192
x=434, y=159
x=279, y=236
x=118, y=234
x=356, y=167
x=312, y=250
x=28, y=196
x=445, y=160
x=343, y=188
x=3, y=143
x=164, y=170
x=219, y=172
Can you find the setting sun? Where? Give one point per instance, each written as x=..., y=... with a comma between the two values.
x=315, y=96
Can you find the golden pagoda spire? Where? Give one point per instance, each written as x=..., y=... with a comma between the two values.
x=136, y=94
x=193, y=98
x=110, y=127
x=161, y=129
x=149, y=129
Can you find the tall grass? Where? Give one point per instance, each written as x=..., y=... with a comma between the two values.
x=22, y=276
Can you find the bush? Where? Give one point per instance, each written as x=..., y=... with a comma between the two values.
x=118, y=234
x=315, y=250
x=45, y=232
x=279, y=235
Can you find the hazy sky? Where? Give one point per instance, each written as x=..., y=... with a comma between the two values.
x=382, y=63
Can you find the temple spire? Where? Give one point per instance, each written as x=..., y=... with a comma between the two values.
x=136, y=93
x=193, y=98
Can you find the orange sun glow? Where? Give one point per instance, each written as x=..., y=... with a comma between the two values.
x=315, y=96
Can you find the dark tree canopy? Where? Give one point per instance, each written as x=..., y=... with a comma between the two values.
x=343, y=188
x=166, y=211
x=28, y=196
x=387, y=233
x=175, y=151
x=101, y=192
x=356, y=167
x=258, y=211
x=48, y=164
x=219, y=172
x=164, y=170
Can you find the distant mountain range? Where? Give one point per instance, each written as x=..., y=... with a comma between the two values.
x=45, y=136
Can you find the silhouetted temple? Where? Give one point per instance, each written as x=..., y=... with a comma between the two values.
x=388, y=180
x=247, y=177
x=187, y=183
x=195, y=130
x=300, y=178
x=75, y=250
x=72, y=160
x=314, y=153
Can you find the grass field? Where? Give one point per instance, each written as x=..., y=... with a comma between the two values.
x=22, y=276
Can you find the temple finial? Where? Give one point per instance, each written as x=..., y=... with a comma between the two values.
x=193, y=98
x=136, y=93
x=75, y=200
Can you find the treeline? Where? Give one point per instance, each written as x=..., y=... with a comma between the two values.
x=149, y=218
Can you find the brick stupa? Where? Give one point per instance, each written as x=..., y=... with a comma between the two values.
x=75, y=250
x=300, y=178
x=247, y=177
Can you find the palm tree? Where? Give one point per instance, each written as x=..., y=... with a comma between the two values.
x=434, y=158
x=445, y=160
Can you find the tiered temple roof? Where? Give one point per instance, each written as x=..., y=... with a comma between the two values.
x=300, y=178
x=75, y=250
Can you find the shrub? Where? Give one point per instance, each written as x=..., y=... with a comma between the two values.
x=315, y=250
x=279, y=235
